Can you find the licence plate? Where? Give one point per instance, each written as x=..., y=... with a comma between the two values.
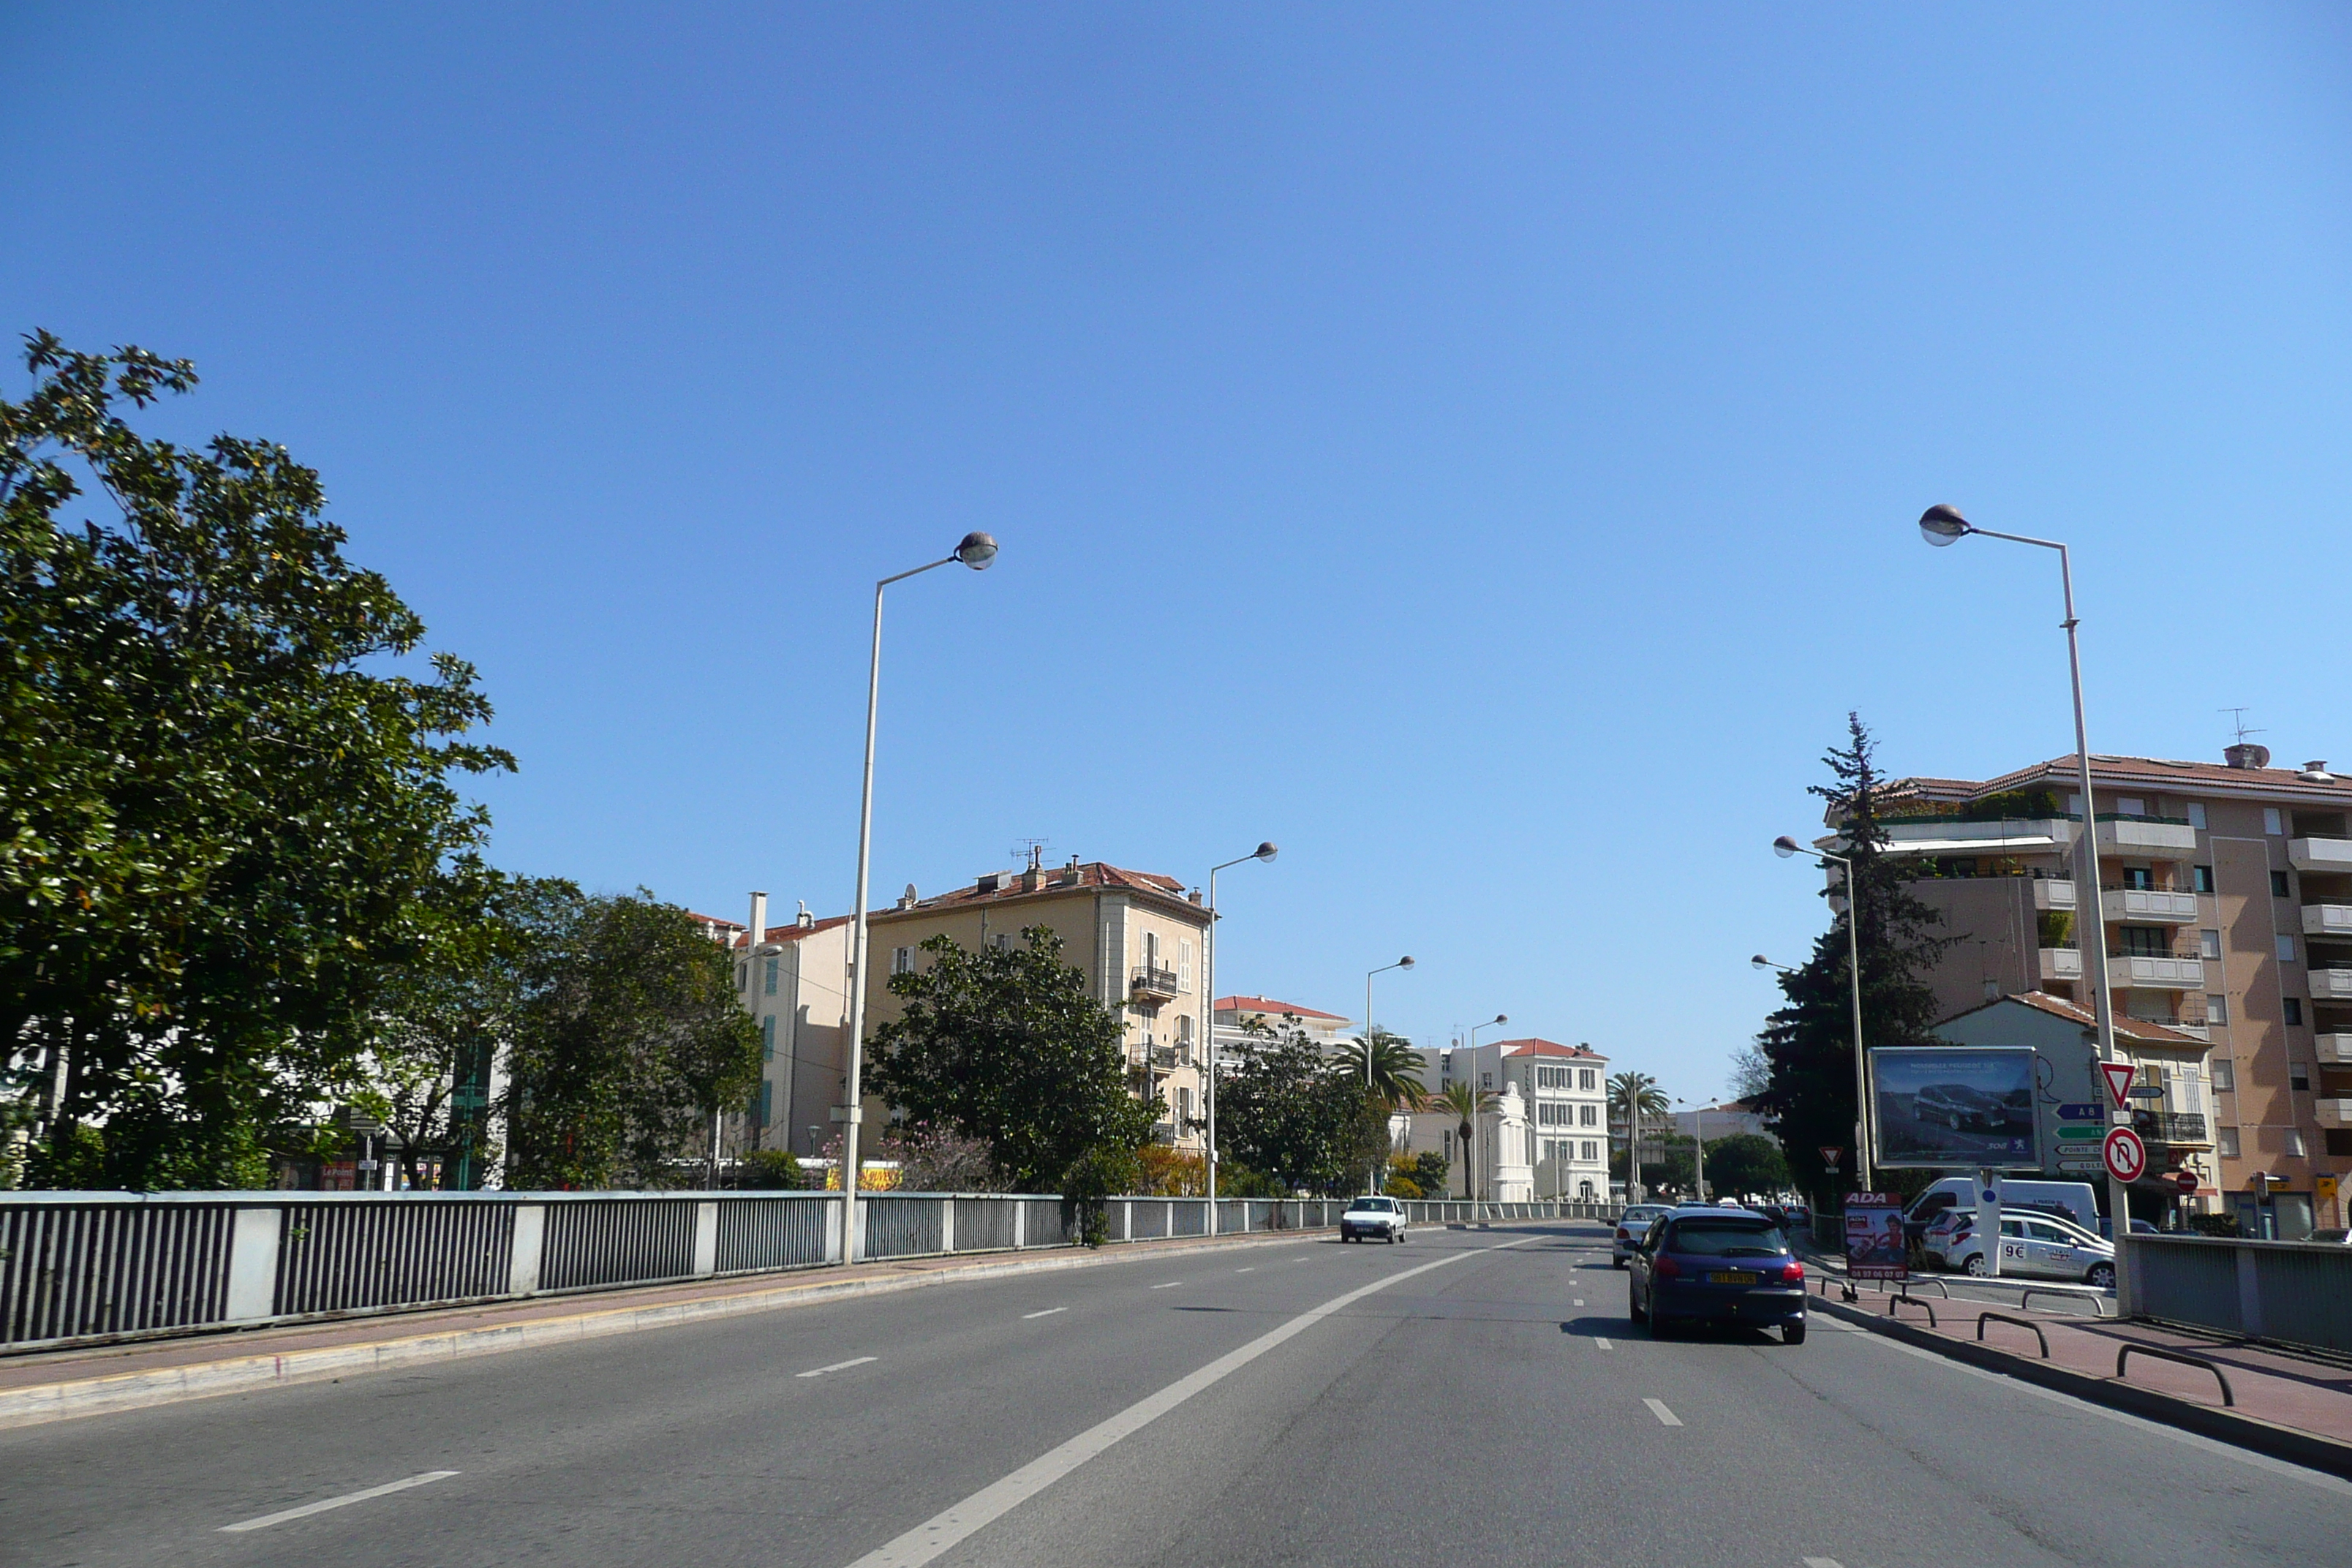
x=1737, y=1276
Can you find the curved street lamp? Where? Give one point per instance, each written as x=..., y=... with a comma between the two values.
x=1477, y=1203
x=1942, y=525
x=1265, y=851
x=1404, y=963
x=976, y=550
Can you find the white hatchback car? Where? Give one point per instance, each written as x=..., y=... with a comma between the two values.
x=2033, y=1243
x=1632, y=1227
x=1373, y=1218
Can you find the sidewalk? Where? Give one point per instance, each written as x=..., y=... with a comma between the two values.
x=2290, y=1405
x=54, y=1385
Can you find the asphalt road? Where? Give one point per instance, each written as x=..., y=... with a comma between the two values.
x=1255, y=1407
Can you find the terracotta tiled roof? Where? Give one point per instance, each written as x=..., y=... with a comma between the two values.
x=1533, y=1047
x=2150, y=773
x=715, y=922
x=2126, y=1028
x=1094, y=874
x=795, y=932
x=1272, y=1008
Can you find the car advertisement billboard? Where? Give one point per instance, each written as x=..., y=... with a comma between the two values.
x=1955, y=1107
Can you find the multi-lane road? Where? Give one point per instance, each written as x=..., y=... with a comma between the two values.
x=1471, y=1397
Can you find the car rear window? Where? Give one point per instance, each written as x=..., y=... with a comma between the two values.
x=1726, y=1238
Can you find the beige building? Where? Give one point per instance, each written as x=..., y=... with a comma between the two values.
x=2227, y=903
x=795, y=985
x=1137, y=937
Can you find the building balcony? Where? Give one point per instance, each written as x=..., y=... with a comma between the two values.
x=2160, y=837
x=2156, y=972
x=2147, y=904
x=2054, y=893
x=2331, y=985
x=1153, y=980
x=1951, y=835
x=2332, y=1050
x=2175, y=1129
x=2336, y=1115
x=2062, y=963
x=2327, y=919
x=2319, y=854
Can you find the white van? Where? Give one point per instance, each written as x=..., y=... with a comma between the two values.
x=2072, y=1201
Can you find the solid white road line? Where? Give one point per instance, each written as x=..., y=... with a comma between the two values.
x=1251, y=1269
x=1170, y=1285
x=836, y=1366
x=1600, y=1343
x=308, y=1508
x=1822, y=1563
x=1580, y=1301
x=1666, y=1416
x=1046, y=1313
x=943, y=1530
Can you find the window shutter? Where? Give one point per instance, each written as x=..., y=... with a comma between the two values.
x=1184, y=966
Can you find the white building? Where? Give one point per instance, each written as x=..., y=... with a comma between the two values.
x=1722, y=1121
x=1547, y=1134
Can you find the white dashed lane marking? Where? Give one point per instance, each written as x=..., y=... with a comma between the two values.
x=1251, y=1269
x=1046, y=1313
x=1599, y=1343
x=308, y=1508
x=1170, y=1285
x=1666, y=1416
x=836, y=1366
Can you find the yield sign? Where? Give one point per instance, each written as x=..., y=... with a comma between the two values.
x=2119, y=1077
x=2125, y=1155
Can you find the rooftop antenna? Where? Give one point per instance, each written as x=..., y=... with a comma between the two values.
x=1034, y=848
x=2239, y=716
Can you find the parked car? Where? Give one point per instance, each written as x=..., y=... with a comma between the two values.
x=1373, y=1218
x=1959, y=1107
x=2032, y=1245
x=1632, y=1226
x=2071, y=1201
x=1717, y=1266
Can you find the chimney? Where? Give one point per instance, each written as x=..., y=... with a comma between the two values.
x=2316, y=773
x=805, y=918
x=1032, y=878
x=759, y=931
x=2246, y=755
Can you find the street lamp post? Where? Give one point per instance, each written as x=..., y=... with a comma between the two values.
x=1698, y=1145
x=1943, y=525
x=1477, y=1205
x=1265, y=852
x=1785, y=846
x=1404, y=963
x=976, y=550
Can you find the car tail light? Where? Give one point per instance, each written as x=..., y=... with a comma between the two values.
x=1666, y=1267
x=1792, y=1273
x=1624, y=1235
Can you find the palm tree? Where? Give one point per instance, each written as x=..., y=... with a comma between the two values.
x=1633, y=1094
x=1465, y=1103
x=1395, y=1075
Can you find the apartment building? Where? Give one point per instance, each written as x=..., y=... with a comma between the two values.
x=794, y=983
x=1546, y=1133
x=2227, y=906
x=1135, y=935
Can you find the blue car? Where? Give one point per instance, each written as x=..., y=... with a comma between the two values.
x=1718, y=1265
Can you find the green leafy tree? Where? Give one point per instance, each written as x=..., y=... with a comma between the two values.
x=1281, y=1109
x=1637, y=1091
x=628, y=1037
x=1745, y=1163
x=222, y=800
x=1005, y=1045
x=1395, y=1075
x=1426, y=1171
x=1808, y=1102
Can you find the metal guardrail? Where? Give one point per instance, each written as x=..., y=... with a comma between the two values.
x=2228, y=1397
x=1903, y=1297
x=80, y=1268
x=1461, y=1211
x=2040, y=1338
x=2297, y=1293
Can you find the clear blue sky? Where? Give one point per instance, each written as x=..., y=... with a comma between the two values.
x=1479, y=453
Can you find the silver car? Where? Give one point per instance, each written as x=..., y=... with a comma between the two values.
x=2033, y=1243
x=1374, y=1218
x=1632, y=1227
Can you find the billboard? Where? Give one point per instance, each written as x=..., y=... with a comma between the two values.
x=1954, y=1108
x=1874, y=1246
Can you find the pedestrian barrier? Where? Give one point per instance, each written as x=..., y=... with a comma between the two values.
x=2132, y=1350
x=1902, y=1297
x=80, y=1268
x=2098, y=1306
x=2298, y=1293
x=2040, y=1338
x=1461, y=1211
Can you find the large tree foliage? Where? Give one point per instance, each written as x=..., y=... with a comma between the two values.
x=627, y=1037
x=1005, y=1045
x=1809, y=1100
x=1465, y=1105
x=219, y=801
x=1395, y=1067
x=1283, y=1108
x=1745, y=1163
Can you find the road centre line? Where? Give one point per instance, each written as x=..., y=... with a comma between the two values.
x=1170, y=1285
x=1046, y=1313
x=1599, y=1343
x=308, y=1508
x=945, y=1528
x=836, y=1366
x=1666, y=1416
x=1251, y=1269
